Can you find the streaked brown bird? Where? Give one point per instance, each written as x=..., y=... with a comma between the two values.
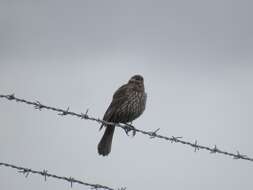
x=128, y=103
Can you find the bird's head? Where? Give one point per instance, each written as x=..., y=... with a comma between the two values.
x=136, y=79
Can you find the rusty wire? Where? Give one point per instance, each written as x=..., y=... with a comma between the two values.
x=128, y=128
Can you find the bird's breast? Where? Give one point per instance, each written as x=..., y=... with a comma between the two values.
x=134, y=107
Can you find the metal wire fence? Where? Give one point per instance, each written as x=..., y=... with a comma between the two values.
x=126, y=127
x=45, y=174
x=129, y=128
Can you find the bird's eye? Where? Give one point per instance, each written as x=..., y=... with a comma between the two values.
x=138, y=78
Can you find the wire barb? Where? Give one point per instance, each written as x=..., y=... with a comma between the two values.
x=154, y=133
x=38, y=106
x=11, y=97
x=175, y=139
x=25, y=171
x=239, y=156
x=64, y=112
x=85, y=115
x=196, y=147
x=71, y=179
x=45, y=174
x=127, y=128
x=214, y=150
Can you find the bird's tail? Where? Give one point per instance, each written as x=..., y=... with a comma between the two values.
x=104, y=146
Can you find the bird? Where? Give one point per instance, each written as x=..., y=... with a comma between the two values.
x=128, y=103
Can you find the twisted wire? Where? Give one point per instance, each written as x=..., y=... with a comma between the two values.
x=46, y=174
x=128, y=128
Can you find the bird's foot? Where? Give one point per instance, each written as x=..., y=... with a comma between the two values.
x=129, y=127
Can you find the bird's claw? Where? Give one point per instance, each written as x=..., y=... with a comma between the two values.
x=129, y=128
x=101, y=127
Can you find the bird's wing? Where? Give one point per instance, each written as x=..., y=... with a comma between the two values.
x=121, y=92
x=119, y=97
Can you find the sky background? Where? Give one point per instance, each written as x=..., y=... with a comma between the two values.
x=196, y=59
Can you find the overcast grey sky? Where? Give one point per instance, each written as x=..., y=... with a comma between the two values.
x=196, y=59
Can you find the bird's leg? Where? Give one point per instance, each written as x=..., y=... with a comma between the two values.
x=129, y=127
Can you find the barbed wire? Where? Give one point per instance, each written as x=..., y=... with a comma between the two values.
x=46, y=174
x=128, y=128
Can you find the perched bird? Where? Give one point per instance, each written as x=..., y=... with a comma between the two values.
x=128, y=103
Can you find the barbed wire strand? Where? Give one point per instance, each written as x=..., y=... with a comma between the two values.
x=45, y=174
x=128, y=128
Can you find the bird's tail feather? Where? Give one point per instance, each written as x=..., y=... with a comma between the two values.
x=104, y=146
